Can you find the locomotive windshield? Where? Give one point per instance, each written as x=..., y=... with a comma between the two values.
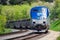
x=39, y=13
x=35, y=10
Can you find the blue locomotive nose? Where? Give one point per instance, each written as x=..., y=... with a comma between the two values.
x=40, y=17
x=39, y=14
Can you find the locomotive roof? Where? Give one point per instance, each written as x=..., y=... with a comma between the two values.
x=37, y=7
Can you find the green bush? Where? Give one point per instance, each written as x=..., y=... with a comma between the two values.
x=3, y=20
x=16, y=12
x=56, y=10
x=2, y=23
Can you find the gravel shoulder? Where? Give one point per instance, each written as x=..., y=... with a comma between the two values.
x=51, y=36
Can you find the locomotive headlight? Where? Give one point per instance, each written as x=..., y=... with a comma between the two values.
x=44, y=22
x=34, y=21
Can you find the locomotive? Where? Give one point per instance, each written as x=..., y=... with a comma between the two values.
x=39, y=20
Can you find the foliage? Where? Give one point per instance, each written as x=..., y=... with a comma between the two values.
x=56, y=10
x=16, y=12
x=2, y=23
x=3, y=2
x=47, y=0
x=57, y=4
x=3, y=20
x=5, y=31
x=14, y=2
x=0, y=9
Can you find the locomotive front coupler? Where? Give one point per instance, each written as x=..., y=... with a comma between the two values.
x=40, y=26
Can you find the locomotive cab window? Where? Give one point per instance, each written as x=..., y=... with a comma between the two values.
x=35, y=10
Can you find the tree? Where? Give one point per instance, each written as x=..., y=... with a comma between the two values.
x=0, y=9
x=56, y=10
x=48, y=0
x=3, y=2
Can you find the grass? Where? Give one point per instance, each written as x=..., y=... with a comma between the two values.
x=55, y=25
x=5, y=31
x=58, y=38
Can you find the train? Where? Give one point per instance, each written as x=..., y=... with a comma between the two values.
x=39, y=20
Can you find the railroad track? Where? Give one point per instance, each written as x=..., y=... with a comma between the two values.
x=21, y=31
x=12, y=35
x=30, y=36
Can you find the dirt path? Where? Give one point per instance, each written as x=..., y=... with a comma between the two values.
x=52, y=36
